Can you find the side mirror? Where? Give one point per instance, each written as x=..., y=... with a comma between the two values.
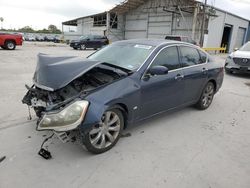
x=236, y=49
x=158, y=70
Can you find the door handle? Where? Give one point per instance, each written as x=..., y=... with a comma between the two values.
x=179, y=76
x=204, y=70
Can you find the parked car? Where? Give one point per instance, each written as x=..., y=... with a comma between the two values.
x=39, y=38
x=30, y=38
x=89, y=41
x=49, y=38
x=119, y=85
x=239, y=60
x=10, y=41
x=181, y=38
x=57, y=39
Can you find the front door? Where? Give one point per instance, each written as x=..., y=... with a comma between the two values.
x=162, y=92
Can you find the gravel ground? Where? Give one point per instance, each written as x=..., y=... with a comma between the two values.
x=184, y=149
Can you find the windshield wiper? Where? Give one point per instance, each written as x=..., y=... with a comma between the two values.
x=118, y=67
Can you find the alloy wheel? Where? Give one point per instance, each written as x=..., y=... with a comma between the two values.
x=106, y=133
x=208, y=95
x=10, y=45
x=83, y=47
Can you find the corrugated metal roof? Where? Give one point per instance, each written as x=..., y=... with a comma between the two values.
x=74, y=21
x=128, y=5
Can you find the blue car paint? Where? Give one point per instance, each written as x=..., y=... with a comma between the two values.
x=144, y=98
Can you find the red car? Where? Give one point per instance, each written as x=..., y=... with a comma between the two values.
x=10, y=41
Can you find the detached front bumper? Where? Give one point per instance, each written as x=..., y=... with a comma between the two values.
x=66, y=119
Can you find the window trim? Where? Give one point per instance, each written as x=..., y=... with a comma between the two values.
x=181, y=68
x=178, y=53
x=197, y=50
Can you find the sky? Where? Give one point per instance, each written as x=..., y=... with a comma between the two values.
x=40, y=14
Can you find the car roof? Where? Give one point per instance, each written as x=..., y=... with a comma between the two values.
x=177, y=36
x=151, y=42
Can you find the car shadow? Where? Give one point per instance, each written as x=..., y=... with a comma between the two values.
x=162, y=117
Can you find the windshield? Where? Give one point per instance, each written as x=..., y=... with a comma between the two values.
x=127, y=56
x=245, y=47
x=83, y=37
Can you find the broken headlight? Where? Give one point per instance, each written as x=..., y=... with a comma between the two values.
x=65, y=120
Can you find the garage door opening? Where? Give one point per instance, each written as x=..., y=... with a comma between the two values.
x=240, y=37
x=226, y=38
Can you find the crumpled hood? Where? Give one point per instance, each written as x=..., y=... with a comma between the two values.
x=54, y=72
x=241, y=54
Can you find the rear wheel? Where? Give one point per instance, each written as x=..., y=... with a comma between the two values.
x=104, y=136
x=10, y=45
x=206, y=96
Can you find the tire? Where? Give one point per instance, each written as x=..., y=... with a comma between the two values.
x=206, y=97
x=10, y=45
x=103, y=137
x=3, y=47
x=82, y=47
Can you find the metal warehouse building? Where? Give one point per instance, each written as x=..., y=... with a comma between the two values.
x=209, y=26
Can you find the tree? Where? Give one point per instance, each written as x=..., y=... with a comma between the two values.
x=54, y=29
x=27, y=29
x=1, y=20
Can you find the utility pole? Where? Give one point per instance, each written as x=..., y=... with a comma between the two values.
x=203, y=23
x=194, y=21
x=1, y=20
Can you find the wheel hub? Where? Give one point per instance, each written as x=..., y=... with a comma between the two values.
x=106, y=132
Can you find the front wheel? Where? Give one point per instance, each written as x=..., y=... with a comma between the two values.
x=83, y=47
x=104, y=136
x=206, y=96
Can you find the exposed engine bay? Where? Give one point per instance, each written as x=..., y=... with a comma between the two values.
x=40, y=99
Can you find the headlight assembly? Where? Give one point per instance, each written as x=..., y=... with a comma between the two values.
x=229, y=59
x=65, y=120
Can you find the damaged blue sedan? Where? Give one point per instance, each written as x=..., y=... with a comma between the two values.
x=119, y=85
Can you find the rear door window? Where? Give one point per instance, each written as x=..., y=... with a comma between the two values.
x=189, y=56
x=203, y=57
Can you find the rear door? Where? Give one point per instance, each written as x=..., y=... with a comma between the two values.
x=194, y=63
x=163, y=92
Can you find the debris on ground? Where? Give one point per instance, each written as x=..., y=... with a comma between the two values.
x=247, y=83
x=126, y=135
x=2, y=158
